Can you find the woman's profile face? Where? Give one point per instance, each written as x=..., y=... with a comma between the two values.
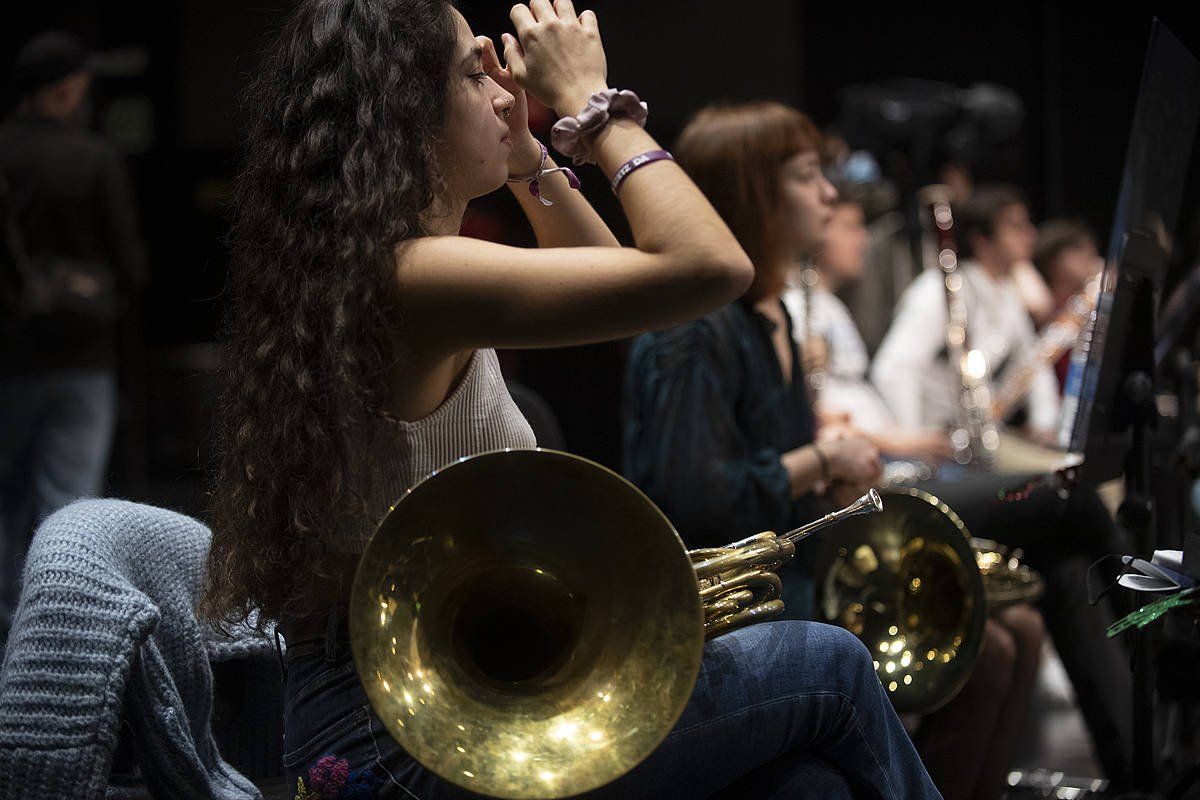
x=474, y=146
x=846, y=240
x=1075, y=266
x=806, y=199
x=1013, y=235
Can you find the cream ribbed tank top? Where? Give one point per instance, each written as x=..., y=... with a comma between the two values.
x=478, y=416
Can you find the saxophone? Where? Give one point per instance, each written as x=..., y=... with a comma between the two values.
x=1059, y=336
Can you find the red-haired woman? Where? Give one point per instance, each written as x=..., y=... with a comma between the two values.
x=720, y=432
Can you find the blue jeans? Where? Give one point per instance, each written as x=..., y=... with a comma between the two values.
x=56, y=429
x=780, y=710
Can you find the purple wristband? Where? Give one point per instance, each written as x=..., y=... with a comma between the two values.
x=637, y=162
x=568, y=133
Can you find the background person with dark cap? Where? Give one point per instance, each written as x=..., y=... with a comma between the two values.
x=70, y=253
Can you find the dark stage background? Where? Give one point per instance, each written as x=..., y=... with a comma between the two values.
x=168, y=91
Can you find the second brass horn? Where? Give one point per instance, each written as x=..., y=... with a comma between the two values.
x=906, y=582
x=527, y=623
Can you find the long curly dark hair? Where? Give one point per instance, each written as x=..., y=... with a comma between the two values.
x=340, y=165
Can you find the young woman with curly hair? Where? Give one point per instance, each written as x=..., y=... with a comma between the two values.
x=360, y=357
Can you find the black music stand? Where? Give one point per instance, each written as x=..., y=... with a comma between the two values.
x=1114, y=386
x=1177, y=355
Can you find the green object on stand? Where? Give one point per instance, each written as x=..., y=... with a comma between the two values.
x=1152, y=611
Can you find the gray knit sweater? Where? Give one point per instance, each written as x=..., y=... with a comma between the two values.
x=106, y=629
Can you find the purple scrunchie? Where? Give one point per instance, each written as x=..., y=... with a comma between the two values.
x=567, y=134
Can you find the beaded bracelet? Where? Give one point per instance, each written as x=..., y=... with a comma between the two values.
x=534, y=180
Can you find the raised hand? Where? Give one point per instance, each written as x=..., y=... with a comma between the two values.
x=559, y=57
x=526, y=154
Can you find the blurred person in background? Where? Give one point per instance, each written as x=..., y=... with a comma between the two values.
x=896, y=255
x=1067, y=258
x=846, y=394
x=910, y=369
x=71, y=253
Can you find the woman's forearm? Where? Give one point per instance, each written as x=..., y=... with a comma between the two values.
x=570, y=222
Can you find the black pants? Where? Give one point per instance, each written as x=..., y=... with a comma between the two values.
x=1061, y=538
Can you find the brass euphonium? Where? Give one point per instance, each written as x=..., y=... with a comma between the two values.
x=527, y=623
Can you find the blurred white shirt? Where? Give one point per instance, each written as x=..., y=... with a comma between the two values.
x=846, y=390
x=911, y=371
